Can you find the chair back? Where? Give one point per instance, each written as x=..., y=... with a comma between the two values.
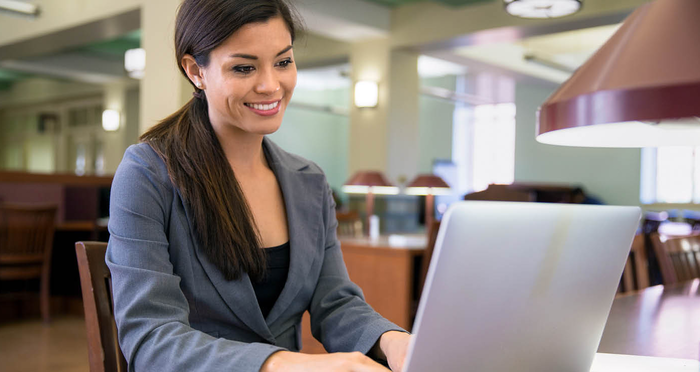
x=428, y=253
x=26, y=238
x=636, y=274
x=349, y=224
x=678, y=256
x=96, y=283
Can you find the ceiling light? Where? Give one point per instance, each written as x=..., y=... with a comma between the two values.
x=542, y=8
x=366, y=94
x=19, y=7
x=135, y=62
x=110, y=120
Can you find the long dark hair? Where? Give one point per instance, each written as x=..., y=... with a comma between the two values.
x=186, y=141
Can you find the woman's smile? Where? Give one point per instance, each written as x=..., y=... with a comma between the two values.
x=267, y=108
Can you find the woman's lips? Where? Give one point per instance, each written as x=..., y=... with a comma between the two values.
x=266, y=108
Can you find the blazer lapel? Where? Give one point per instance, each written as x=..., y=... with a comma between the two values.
x=303, y=198
x=237, y=294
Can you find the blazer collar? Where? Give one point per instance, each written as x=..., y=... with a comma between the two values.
x=303, y=193
x=237, y=294
x=275, y=155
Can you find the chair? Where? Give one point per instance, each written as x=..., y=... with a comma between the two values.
x=636, y=274
x=26, y=239
x=103, y=345
x=428, y=254
x=678, y=257
x=349, y=224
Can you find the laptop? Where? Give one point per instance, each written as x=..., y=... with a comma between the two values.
x=520, y=287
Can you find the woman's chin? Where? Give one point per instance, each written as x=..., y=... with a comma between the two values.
x=266, y=129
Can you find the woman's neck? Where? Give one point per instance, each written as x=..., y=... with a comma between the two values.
x=243, y=151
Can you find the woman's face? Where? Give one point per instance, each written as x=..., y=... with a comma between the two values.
x=250, y=79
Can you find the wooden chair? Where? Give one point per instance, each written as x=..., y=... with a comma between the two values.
x=26, y=239
x=636, y=274
x=103, y=345
x=349, y=224
x=428, y=254
x=678, y=257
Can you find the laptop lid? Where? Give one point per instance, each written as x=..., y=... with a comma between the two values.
x=520, y=286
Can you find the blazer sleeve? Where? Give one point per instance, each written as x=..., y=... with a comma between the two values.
x=340, y=317
x=151, y=311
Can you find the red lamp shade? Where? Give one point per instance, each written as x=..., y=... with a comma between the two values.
x=425, y=184
x=428, y=185
x=640, y=89
x=364, y=182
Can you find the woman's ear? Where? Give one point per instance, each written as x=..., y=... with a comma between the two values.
x=194, y=72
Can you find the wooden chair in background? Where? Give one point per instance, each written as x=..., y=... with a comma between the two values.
x=349, y=224
x=428, y=255
x=26, y=239
x=636, y=274
x=96, y=283
x=678, y=257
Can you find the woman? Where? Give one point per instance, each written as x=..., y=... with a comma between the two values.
x=220, y=240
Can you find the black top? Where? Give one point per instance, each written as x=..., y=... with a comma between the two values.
x=269, y=288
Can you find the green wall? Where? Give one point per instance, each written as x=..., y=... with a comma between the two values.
x=323, y=137
x=435, y=124
x=610, y=174
x=318, y=136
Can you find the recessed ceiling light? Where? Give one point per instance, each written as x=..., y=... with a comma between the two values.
x=542, y=8
x=19, y=8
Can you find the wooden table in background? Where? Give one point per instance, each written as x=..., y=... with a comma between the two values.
x=387, y=275
x=658, y=321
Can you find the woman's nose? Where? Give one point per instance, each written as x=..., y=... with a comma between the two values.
x=267, y=82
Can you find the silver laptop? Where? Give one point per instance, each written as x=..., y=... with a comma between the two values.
x=520, y=287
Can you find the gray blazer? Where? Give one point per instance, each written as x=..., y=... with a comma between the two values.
x=174, y=309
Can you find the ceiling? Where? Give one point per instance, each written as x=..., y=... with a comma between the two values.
x=97, y=62
x=551, y=58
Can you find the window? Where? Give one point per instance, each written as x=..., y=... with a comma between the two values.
x=484, y=146
x=670, y=175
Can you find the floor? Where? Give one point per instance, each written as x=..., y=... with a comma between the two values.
x=29, y=346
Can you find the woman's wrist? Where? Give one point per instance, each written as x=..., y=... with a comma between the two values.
x=275, y=361
x=387, y=339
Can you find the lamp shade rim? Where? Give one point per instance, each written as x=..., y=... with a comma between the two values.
x=627, y=135
x=368, y=178
x=428, y=180
x=622, y=105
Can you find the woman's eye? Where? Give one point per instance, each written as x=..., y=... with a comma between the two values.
x=243, y=69
x=285, y=63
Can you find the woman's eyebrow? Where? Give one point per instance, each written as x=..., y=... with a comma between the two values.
x=250, y=56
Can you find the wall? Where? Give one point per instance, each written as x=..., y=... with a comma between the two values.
x=318, y=136
x=435, y=124
x=47, y=153
x=39, y=90
x=323, y=137
x=610, y=174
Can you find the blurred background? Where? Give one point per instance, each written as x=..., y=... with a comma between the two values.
x=458, y=86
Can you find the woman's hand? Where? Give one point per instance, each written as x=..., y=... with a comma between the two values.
x=394, y=345
x=287, y=361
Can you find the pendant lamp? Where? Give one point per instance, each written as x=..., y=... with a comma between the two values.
x=428, y=185
x=640, y=89
x=369, y=183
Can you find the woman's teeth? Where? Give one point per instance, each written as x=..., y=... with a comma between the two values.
x=263, y=107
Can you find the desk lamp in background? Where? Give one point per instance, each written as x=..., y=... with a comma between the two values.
x=640, y=89
x=369, y=183
x=428, y=185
